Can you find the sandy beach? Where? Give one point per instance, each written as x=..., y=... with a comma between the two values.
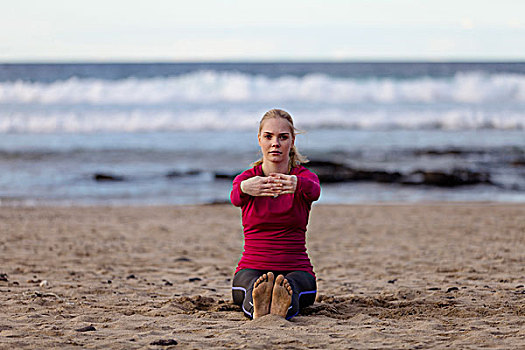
x=389, y=276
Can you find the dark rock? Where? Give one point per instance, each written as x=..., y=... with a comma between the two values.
x=333, y=172
x=176, y=173
x=330, y=172
x=392, y=281
x=219, y=202
x=462, y=152
x=86, y=329
x=518, y=162
x=195, y=279
x=183, y=258
x=107, y=177
x=437, y=152
x=452, y=289
x=376, y=176
x=225, y=176
x=164, y=342
x=458, y=177
x=132, y=276
x=3, y=277
x=434, y=288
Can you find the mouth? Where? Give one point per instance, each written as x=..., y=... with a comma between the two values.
x=275, y=152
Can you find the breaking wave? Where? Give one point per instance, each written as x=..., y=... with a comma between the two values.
x=226, y=100
x=212, y=87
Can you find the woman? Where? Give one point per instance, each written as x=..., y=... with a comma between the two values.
x=274, y=275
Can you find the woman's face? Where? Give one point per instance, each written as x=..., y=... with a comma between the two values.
x=276, y=140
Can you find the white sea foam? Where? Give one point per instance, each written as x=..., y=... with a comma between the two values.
x=215, y=100
x=227, y=87
x=165, y=120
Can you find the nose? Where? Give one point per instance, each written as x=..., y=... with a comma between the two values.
x=276, y=142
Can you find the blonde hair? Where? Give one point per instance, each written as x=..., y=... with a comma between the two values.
x=296, y=158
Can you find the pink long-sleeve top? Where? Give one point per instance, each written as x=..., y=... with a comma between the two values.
x=275, y=228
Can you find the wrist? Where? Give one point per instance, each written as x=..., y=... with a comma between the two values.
x=242, y=188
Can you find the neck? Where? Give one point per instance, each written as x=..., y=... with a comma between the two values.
x=280, y=168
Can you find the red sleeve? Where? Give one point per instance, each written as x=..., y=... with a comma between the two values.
x=238, y=197
x=308, y=185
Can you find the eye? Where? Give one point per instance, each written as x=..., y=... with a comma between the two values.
x=268, y=137
x=284, y=137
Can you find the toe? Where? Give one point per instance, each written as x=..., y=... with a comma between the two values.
x=286, y=285
x=271, y=277
x=279, y=280
x=259, y=281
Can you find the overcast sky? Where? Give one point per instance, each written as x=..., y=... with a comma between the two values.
x=245, y=30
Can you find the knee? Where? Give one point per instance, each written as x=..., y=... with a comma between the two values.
x=238, y=296
x=307, y=299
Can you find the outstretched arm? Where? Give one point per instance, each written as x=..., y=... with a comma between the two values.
x=306, y=184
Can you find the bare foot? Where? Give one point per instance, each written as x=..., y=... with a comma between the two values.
x=262, y=295
x=281, y=297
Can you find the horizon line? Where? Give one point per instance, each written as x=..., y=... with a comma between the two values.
x=264, y=61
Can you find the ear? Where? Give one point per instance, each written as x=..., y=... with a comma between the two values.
x=259, y=139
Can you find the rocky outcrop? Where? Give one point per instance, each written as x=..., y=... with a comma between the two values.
x=175, y=173
x=457, y=177
x=330, y=172
x=333, y=172
x=107, y=177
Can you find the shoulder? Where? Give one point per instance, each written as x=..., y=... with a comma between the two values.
x=303, y=171
x=248, y=173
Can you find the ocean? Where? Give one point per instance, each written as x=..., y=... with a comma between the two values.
x=176, y=133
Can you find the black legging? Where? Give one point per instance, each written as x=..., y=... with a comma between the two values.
x=303, y=286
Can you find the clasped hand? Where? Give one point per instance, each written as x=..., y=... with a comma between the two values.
x=272, y=185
